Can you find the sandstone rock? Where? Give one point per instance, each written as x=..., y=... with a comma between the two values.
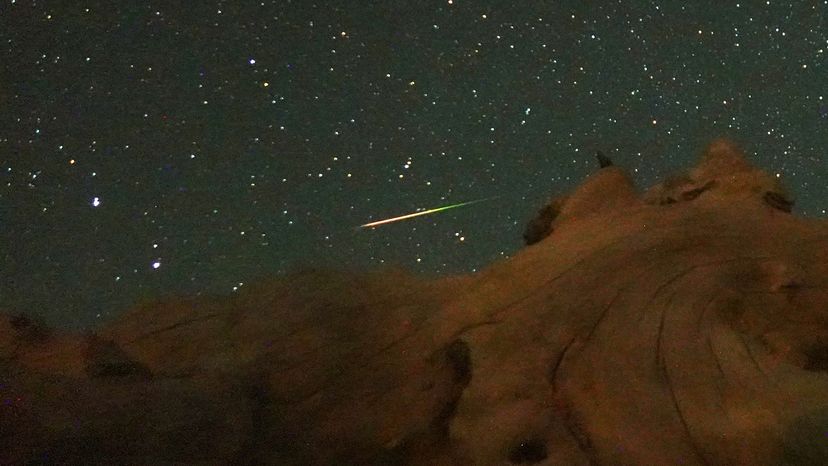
x=722, y=172
x=638, y=332
x=778, y=201
x=608, y=189
x=541, y=225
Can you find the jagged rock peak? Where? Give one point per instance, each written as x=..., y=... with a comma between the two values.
x=722, y=157
x=608, y=189
x=723, y=174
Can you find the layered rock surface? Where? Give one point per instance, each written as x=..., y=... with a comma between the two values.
x=636, y=330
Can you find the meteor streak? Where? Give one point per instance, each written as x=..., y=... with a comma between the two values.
x=425, y=212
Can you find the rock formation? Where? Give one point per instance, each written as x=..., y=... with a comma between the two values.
x=603, y=160
x=541, y=225
x=637, y=332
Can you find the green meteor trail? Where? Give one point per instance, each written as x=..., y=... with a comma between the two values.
x=425, y=212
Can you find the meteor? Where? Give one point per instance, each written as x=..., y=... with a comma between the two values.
x=425, y=212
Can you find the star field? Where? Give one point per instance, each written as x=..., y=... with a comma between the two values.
x=149, y=150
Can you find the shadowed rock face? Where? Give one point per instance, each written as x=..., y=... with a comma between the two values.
x=541, y=225
x=635, y=332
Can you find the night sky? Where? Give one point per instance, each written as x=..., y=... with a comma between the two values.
x=193, y=147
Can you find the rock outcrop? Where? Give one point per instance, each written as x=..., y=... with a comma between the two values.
x=638, y=332
x=722, y=172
